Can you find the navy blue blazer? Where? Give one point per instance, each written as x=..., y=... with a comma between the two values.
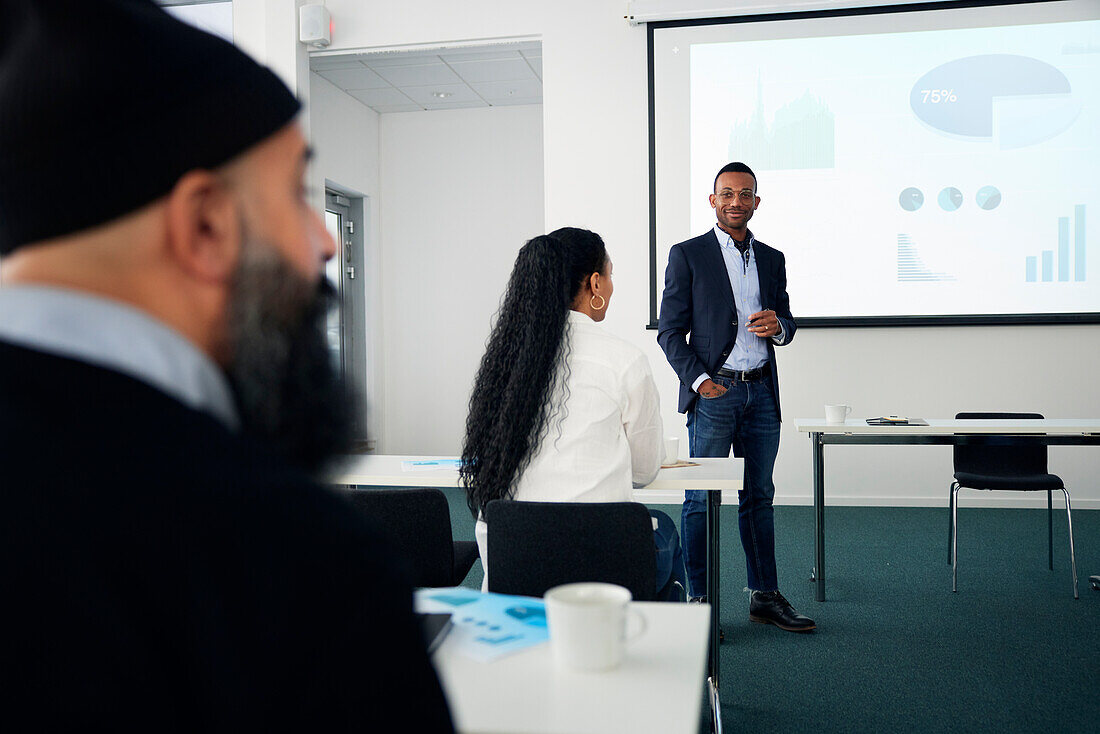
x=698, y=323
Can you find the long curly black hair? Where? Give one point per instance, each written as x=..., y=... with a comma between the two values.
x=510, y=404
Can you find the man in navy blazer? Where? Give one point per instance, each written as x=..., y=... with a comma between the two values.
x=724, y=310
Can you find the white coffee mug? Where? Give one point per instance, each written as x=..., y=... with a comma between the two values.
x=587, y=625
x=672, y=450
x=837, y=413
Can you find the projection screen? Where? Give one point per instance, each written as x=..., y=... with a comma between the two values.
x=921, y=164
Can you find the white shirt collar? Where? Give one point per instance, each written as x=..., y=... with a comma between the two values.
x=725, y=240
x=111, y=334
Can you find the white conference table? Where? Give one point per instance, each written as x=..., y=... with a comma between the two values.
x=712, y=475
x=939, y=431
x=656, y=689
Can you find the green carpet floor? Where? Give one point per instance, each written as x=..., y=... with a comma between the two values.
x=895, y=649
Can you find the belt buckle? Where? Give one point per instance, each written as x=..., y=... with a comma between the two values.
x=744, y=375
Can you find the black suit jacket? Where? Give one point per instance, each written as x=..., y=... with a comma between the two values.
x=162, y=574
x=698, y=323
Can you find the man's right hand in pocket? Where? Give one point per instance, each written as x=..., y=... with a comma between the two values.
x=711, y=389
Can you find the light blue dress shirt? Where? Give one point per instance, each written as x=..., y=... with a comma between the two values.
x=749, y=350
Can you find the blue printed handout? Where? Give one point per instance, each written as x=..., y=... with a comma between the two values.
x=487, y=626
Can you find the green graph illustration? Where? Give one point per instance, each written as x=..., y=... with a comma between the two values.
x=801, y=135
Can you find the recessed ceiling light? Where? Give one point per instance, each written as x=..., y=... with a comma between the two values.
x=442, y=95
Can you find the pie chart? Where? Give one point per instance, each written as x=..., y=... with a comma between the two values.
x=1012, y=100
x=988, y=197
x=950, y=199
x=911, y=199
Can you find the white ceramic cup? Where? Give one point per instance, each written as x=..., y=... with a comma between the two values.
x=587, y=624
x=837, y=413
x=672, y=450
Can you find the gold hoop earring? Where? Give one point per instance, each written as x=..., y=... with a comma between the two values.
x=592, y=302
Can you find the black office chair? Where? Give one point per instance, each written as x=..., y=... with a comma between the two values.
x=1020, y=467
x=534, y=546
x=418, y=523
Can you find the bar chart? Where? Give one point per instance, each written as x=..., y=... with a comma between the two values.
x=1044, y=268
x=912, y=268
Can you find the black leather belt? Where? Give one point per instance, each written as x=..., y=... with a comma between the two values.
x=762, y=372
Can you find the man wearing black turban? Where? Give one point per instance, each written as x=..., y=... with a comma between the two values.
x=168, y=563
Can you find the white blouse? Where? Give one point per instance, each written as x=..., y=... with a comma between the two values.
x=607, y=436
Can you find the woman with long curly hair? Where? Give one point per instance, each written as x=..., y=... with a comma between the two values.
x=561, y=410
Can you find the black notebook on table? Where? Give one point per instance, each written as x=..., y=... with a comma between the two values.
x=896, y=420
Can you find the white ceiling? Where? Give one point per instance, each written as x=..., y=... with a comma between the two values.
x=474, y=76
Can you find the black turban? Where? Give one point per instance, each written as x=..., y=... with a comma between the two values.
x=105, y=104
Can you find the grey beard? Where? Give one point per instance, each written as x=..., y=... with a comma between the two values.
x=289, y=395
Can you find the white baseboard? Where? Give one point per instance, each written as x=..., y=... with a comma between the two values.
x=967, y=499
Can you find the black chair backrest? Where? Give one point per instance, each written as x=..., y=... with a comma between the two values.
x=417, y=522
x=1004, y=460
x=534, y=546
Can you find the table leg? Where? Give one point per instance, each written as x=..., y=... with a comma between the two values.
x=715, y=707
x=819, y=516
x=714, y=507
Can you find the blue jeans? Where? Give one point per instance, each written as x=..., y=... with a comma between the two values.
x=670, y=560
x=744, y=418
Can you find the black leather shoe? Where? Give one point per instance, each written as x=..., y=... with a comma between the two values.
x=769, y=607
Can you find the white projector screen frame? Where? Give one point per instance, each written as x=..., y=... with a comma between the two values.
x=679, y=184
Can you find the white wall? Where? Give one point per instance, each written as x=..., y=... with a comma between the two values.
x=462, y=190
x=345, y=135
x=596, y=168
x=268, y=30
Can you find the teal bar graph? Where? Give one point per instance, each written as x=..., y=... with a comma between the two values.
x=1079, y=242
x=1032, y=271
x=1063, y=248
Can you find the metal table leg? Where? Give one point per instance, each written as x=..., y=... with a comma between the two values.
x=715, y=708
x=819, y=516
x=714, y=506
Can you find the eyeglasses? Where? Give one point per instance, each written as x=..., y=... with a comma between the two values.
x=746, y=196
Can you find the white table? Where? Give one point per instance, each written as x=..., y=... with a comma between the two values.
x=712, y=475
x=939, y=431
x=656, y=689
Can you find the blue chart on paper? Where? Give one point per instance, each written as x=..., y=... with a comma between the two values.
x=1017, y=99
x=487, y=626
